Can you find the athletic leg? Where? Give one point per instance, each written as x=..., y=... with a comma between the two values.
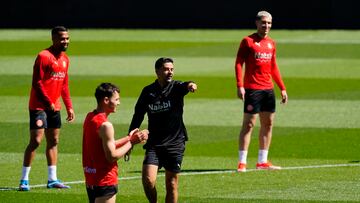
x=266, y=125
x=149, y=173
x=246, y=130
x=265, y=135
x=37, y=125
x=36, y=135
x=172, y=180
x=52, y=140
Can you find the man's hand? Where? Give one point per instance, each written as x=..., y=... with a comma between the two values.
x=192, y=87
x=241, y=93
x=70, y=115
x=284, y=97
x=136, y=136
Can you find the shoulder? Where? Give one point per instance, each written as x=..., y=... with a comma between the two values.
x=269, y=39
x=106, y=130
x=106, y=125
x=96, y=118
x=246, y=41
x=44, y=54
x=64, y=56
x=150, y=87
x=251, y=37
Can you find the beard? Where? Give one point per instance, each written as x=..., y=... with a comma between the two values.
x=63, y=48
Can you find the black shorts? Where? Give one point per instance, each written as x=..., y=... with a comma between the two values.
x=44, y=119
x=169, y=157
x=94, y=192
x=259, y=100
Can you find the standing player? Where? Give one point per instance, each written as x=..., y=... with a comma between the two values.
x=50, y=81
x=163, y=101
x=100, y=149
x=258, y=52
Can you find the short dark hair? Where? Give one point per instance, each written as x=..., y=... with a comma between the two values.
x=105, y=90
x=160, y=62
x=58, y=29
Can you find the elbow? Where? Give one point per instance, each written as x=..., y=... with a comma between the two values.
x=111, y=158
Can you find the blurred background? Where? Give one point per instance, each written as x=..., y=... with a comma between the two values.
x=178, y=14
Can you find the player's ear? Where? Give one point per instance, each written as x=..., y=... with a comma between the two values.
x=106, y=100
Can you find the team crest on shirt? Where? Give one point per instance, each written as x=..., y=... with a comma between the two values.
x=270, y=46
x=249, y=107
x=64, y=64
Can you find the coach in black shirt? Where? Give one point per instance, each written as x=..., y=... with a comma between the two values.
x=163, y=101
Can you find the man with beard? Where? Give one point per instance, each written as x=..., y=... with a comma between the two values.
x=49, y=83
x=163, y=101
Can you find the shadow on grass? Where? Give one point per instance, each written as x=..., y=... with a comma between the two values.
x=8, y=189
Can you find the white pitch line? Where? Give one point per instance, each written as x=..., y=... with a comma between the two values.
x=200, y=173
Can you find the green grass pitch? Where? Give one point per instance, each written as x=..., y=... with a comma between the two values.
x=316, y=136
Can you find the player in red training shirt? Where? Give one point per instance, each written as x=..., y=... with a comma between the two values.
x=100, y=149
x=258, y=52
x=49, y=83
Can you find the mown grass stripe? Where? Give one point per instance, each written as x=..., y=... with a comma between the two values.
x=188, y=35
x=199, y=173
x=177, y=49
x=215, y=112
x=334, y=68
x=209, y=87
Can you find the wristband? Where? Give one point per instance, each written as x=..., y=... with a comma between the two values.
x=128, y=139
x=120, y=144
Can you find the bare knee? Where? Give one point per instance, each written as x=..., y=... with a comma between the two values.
x=248, y=126
x=34, y=144
x=52, y=142
x=267, y=120
x=267, y=125
x=149, y=174
x=52, y=137
x=171, y=181
x=171, y=185
x=36, y=137
x=148, y=180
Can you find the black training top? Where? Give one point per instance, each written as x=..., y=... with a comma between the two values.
x=164, y=108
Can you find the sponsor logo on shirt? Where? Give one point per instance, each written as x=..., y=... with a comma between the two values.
x=58, y=75
x=160, y=106
x=263, y=56
x=89, y=170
